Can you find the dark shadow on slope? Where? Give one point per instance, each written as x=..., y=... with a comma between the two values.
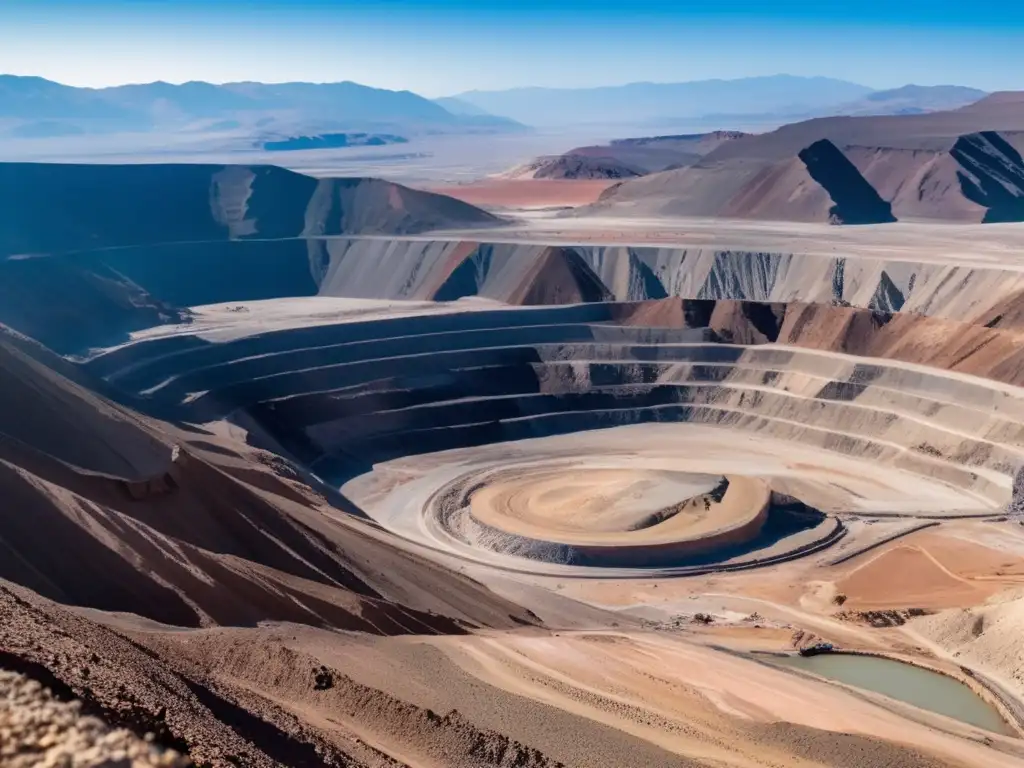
x=856, y=201
x=766, y=318
x=265, y=736
x=839, y=281
x=213, y=273
x=278, y=201
x=887, y=297
x=46, y=208
x=68, y=305
x=561, y=276
x=42, y=675
x=697, y=312
x=993, y=175
x=467, y=278
x=652, y=286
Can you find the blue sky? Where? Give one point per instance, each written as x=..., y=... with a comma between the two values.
x=440, y=47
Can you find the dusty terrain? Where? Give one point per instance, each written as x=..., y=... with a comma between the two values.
x=525, y=194
x=518, y=497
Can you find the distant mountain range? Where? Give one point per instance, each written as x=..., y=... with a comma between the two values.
x=32, y=107
x=912, y=100
x=461, y=107
x=299, y=115
x=754, y=99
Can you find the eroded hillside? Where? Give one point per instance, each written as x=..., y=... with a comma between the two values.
x=959, y=165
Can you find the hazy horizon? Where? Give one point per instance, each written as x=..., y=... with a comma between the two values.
x=208, y=81
x=444, y=47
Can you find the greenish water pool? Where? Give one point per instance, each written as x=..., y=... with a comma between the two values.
x=921, y=687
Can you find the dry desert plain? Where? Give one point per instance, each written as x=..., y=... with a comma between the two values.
x=561, y=491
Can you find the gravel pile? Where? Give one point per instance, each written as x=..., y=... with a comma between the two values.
x=1016, y=506
x=37, y=731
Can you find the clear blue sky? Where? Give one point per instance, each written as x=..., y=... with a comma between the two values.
x=439, y=47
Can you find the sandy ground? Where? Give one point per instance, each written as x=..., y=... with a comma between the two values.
x=559, y=507
x=971, y=596
x=672, y=693
x=916, y=570
x=933, y=572
x=601, y=500
x=527, y=194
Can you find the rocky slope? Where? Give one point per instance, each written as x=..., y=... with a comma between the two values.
x=579, y=166
x=110, y=510
x=961, y=165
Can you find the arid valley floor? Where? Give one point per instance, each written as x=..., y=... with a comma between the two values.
x=336, y=472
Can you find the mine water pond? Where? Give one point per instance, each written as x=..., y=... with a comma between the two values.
x=921, y=687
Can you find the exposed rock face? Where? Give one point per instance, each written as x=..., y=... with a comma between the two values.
x=992, y=175
x=152, y=290
x=1016, y=505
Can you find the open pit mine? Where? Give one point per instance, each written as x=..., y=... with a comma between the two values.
x=316, y=414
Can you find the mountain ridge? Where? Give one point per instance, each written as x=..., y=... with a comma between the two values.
x=289, y=106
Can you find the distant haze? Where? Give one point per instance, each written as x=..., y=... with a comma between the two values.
x=657, y=102
x=443, y=47
x=254, y=113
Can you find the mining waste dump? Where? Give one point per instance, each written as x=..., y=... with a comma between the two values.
x=299, y=417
